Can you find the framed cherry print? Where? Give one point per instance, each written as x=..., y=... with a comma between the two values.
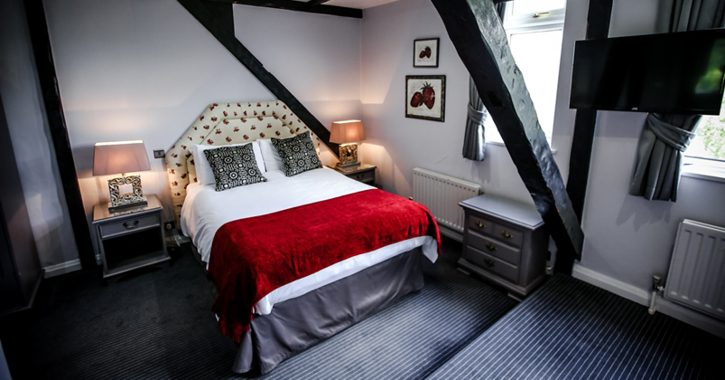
x=425, y=52
x=425, y=97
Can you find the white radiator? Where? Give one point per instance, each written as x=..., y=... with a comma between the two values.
x=441, y=194
x=697, y=270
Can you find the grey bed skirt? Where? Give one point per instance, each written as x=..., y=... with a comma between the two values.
x=299, y=323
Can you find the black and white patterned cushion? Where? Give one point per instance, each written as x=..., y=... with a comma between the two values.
x=298, y=154
x=234, y=166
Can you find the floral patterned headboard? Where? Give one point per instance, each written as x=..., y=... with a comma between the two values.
x=224, y=124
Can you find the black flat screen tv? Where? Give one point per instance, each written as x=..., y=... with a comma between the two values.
x=667, y=73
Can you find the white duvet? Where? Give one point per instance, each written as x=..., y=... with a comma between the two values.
x=206, y=210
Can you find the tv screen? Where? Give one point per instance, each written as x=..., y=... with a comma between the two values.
x=668, y=73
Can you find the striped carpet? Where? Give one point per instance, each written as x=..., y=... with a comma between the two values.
x=157, y=324
x=572, y=330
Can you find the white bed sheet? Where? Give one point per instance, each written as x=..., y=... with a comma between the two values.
x=206, y=210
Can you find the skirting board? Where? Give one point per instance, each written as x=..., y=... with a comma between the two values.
x=62, y=268
x=642, y=297
x=455, y=235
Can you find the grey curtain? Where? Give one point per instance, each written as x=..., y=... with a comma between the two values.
x=474, y=139
x=665, y=137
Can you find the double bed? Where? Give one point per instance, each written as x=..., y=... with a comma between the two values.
x=314, y=305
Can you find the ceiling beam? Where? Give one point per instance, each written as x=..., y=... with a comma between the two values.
x=300, y=6
x=477, y=34
x=217, y=18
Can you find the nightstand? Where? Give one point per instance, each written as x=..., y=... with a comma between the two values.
x=129, y=239
x=504, y=242
x=364, y=173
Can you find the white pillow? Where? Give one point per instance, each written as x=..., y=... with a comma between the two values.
x=272, y=160
x=203, y=170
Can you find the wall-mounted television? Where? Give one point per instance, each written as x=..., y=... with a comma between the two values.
x=669, y=73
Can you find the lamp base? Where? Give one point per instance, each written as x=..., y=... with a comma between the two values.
x=126, y=206
x=348, y=156
x=126, y=192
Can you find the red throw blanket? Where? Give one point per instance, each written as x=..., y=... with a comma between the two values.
x=253, y=256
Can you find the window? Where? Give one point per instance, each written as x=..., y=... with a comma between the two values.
x=535, y=29
x=706, y=153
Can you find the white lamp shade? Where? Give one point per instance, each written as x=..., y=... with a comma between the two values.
x=347, y=131
x=120, y=157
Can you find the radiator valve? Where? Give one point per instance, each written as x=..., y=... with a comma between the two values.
x=656, y=288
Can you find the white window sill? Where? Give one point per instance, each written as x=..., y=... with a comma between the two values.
x=704, y=169
x=501, y=144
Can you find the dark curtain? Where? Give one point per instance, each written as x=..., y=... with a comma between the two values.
x=474, y=139
x=665, y=137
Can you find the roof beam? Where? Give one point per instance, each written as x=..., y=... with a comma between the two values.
x=481, y=42
x=312, y=6
x=217, y=18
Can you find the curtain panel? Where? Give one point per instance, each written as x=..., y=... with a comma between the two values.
x=474, y=138
x=665, y=137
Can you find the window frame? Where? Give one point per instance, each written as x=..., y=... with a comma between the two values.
x=550, y=20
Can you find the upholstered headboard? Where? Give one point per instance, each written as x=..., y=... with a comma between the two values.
x=224, y=124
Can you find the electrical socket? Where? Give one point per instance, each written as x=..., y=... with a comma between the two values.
x=159, y=154
x=169, y=226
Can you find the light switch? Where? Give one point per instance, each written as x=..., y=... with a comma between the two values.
x=159, y=154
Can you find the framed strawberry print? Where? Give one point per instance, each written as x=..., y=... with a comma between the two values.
x=425, y=97
x=426, y=52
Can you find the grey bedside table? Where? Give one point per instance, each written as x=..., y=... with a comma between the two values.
x=504, y=242
x=364, y=173
x=130, y=239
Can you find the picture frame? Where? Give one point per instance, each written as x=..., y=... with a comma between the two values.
x=425, y=97
x=426, y=52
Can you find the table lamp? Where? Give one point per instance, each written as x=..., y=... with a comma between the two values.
x=347, y=133
x=121, y=157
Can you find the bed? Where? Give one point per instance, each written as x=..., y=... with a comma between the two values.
x=316, y=305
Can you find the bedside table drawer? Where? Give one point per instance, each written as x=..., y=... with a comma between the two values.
x=508, y=235
x=492, y=264
x=480, y=225
x=115, y=228
x=494, y=248
x=367, y=177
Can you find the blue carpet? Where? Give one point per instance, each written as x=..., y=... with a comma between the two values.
x=572, y=330
x=158, y=324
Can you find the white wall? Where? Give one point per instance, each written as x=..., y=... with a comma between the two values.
x=628, y=239
x=31, y=139
x=397, y=144
x=138, y=69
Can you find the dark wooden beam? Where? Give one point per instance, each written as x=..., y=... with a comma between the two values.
x=598, y=19
x=45, y=66
x=209, y=14
x=300, y=6
x=481, y=42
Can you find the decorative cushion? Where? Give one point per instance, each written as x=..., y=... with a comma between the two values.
x=234, y=166
x=272, y=160
x=298, y=154
x=204, y=173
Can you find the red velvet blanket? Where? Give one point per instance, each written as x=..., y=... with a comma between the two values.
x=253, y=256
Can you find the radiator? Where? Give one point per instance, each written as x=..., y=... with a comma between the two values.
x=697, y=271
x=441, y=194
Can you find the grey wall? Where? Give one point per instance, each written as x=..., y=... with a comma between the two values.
x=138, y=69
x=627, y=238
x=31, y=139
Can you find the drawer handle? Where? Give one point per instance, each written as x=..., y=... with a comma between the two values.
x=489, y=262
x=490, y=247
x=481, y=224
x=506, y=234
x=131, y=225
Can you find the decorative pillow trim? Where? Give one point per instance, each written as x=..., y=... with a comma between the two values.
x=298, y=154
x=234, y=166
